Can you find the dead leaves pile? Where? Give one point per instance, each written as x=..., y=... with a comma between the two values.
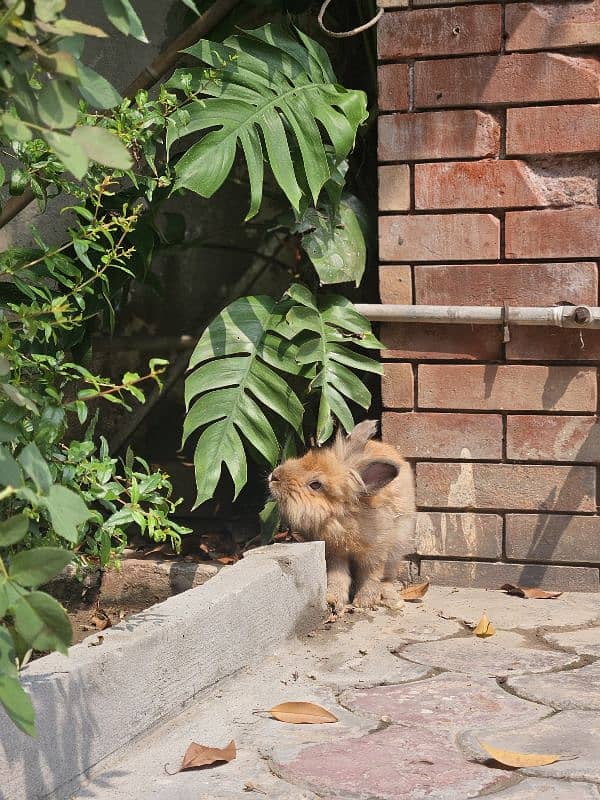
x=198, y=756
x=529, y=594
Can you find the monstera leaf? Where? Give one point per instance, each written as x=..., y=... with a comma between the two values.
x=330, y=326
x=272, y=91
x=235, y=375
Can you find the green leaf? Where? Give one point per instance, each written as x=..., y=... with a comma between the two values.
x=8, y=432
x=35, y=467
x=8, y=656
x=335, y=244
x=321, y=325
x=269, y=521
x=48, y=10
x=15, y=128
x=67, y=511
x=69, y=151
x=274, y=95
x=42, y=622
x=12, y=530
x=10, y=474
x=74, y=27
x=103, y=146
x=36, y=567
x=2, y=174
x=94, y=88
x=123, y=16
x=192, y=5
x=57, y=105
x=17, y=704
x=234, y=379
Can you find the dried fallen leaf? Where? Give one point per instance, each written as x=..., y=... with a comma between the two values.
x=100, y=619
x=99, y=640
x=298, y=713
x=510, y=759
x=484, y=628
x=251, y=787
x=227, y=560
x=530, y=594
x=414, y=592
x=198, y=755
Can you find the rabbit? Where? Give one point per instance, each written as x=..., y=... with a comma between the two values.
x=357, y=496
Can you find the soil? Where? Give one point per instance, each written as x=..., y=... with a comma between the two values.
x=103, y=600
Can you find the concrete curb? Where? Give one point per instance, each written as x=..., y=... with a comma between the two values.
x=95, y=701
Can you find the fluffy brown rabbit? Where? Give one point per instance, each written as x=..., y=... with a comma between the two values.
x=358, y=497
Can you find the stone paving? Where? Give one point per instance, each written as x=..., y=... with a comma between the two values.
x=415, y=693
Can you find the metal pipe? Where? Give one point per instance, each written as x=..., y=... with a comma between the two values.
x=558, y=316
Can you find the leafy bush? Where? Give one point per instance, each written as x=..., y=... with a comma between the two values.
x=266, y=373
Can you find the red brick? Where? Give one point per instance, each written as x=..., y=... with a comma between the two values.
x=556, y=537
x=478, y=535
x=519, y=78
x=568, y=233
x=511, y=486
x=495, y=387
x=547, y=130
x=394, y=187
x=532, y=26
x=397, y=386
x=492, y=576
x=503, y=184
x=453, y=342
x=438, y=134
x=440, y=32
x=550, y=438
x=553, y=344
x=439, y=237
x=392, y=81
x=517, y=284
x=431, y=435
x=395, y=285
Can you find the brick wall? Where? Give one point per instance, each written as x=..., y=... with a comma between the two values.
x=489, y=135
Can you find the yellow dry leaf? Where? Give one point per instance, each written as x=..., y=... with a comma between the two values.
x=484, y=628
x=414, y=592
x=308, y=713
x=510, y=759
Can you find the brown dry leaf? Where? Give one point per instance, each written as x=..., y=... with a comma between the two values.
x=226, y=560
x=251, y=787
x=530, y=594
x=414, y=592
x=510, y=759
x=484, y=628
x=99, y=640
x=100, y=619
x=298, y=713
x=198, y=755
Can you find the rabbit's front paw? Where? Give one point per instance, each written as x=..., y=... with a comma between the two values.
x=336, y=602
x=368, y=596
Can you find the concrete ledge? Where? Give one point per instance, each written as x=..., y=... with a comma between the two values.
x=98, y=699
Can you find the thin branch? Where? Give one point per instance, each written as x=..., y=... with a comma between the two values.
x=147, y=78
x=347, y=34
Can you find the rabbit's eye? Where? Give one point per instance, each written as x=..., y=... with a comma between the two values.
x=315, y=485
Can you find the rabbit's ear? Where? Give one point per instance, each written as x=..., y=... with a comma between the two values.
x=353, y=444
x=377, y=474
